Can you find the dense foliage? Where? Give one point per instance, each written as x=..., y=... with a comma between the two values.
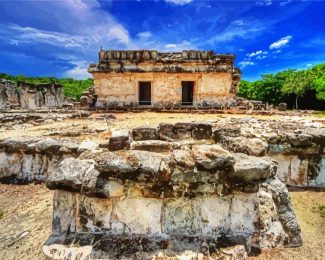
x=72, y=88
x=298, y=88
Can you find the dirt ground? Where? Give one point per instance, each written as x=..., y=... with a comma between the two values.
x=97, y=128
x=27, y=210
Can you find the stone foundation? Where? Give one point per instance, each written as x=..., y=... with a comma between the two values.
x=183, y=193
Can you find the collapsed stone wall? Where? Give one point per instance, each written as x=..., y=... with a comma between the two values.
x=29, y=95
x=33, y=96
x=149, y=198
x=8, y=94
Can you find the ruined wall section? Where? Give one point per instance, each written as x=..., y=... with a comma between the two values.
x=8, y=94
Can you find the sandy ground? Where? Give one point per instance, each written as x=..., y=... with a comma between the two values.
x=27, y=210
x=96, y=128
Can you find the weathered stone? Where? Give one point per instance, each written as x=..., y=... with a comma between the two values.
x=212, y=156
x=87, y=145
x=144, y=133
x=120, y=140
x=151, y=145
x=251, y=168
x=202, y=131
x=282, y=106
x=137, y=216
x=286, y=213
x=299, y=140
x=48, y=146
x=70, y=174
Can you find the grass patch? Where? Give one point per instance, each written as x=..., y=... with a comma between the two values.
x=319, y=113
x=322, y=210
x=1, y=215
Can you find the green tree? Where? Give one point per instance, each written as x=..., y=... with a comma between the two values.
x=297, y=83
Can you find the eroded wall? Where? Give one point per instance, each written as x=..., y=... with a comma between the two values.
x=122, y=89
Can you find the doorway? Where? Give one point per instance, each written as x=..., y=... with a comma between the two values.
x=187, y=93
x=145, y=93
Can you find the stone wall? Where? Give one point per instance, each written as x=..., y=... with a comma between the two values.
x=297, y=146
x=121, y=89
x=8, y=94
x=34, y=96
x=146, y=197
x=117, y=76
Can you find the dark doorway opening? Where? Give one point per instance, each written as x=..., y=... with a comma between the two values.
x=144, y=93
x=187, y=93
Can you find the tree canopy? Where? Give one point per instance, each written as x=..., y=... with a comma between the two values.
x=304, y=87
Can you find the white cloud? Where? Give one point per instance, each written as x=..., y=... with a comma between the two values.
x=144, y=35
x=179, y=2
x=25, y=34
x=264, y=3
x=170, y=45
x=184, y=45
x=309, y=65
x=285, y=2
x=119, y=33
x=281, y=43
x=79, y=71
x=246, y=63
x=237, y=29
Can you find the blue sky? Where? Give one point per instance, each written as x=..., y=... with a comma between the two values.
x=60, y=38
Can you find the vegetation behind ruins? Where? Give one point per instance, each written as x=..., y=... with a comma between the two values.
x=72, y=88
x=303, y=89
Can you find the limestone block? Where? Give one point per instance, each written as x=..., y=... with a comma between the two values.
x=70, y=174
x=243, y=213
x=212, y=156
x=202, y=131
x=180, y=218
x=137, y=216
x=48, y=146
x=250, y=168
x=94, y=214
x=144, y=133
x=214, y=213
x=65, y=205
x=151, y=145
x=119, y=140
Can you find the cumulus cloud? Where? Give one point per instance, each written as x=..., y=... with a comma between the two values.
x=144, y=35
x=179, y=2
x=284, y=41
x=264, y=3
x=246, y=63
x=257, y=53
x=79, y=71
x=184, y=45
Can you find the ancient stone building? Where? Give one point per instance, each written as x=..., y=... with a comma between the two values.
x=152, y=78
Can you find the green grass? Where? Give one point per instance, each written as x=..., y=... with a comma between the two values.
x=322, y=210
x=320, y=113
x=1, y=215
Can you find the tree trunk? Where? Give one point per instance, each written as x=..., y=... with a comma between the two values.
x=297, y=102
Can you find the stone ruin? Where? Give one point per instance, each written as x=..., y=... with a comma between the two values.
x=38, y=95
x=30, y=95
x=209, y=189
x=8, y=94
x=136, y=78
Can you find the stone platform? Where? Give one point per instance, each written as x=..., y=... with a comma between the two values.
x=163, y=192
